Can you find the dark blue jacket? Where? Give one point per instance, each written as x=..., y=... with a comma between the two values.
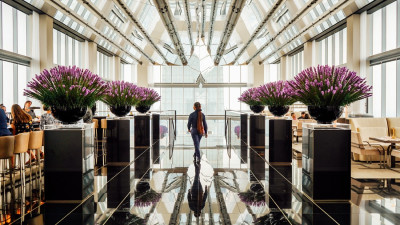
x=192, y=122
x=3, y=124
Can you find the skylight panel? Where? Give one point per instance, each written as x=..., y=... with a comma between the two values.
x=74, y=25
x=332, y=20
x=81, y=28
x=66, y=20
x=312, y=14
x=58, y=15
x=73, y=4
x=326, y=4
x=319, y=9
x=87, y=14
x=80, y=10
x=341, y=15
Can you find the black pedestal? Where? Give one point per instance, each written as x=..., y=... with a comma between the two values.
x=142, y=143
x=156, y=138
x=119, y=156
x=69, y=173
x=99, y=138
x=279, y=189
x=243, y=137
x=326, y=163
x=257, y=143
x=279, y=133
x=339, y=212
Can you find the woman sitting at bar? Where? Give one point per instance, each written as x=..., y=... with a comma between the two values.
x=27, y=109
x=3, y=124
x=22, y=121
x=47, y=118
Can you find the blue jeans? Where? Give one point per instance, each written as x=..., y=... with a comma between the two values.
x=196, y=141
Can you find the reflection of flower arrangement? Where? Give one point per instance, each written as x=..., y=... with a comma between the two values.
x=275, y=94
x=163, y=131
x=68, y=87
x=255, y=196
x=251, y=97
x=119, y=218
x=275, y=218
x=147, y=96
x=145, y=196
x=237, y=131
x=329, y=86
x=120, y=93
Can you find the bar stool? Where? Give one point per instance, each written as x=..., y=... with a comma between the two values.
x=35, y=144
x=6, y=153
x=96, y=140
x=104, y=139
x=20, y=148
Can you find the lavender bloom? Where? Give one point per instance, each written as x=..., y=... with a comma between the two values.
x=66, y=86
x=120, y=93
x=329, y=86
x=276, y=94
x=250, y=97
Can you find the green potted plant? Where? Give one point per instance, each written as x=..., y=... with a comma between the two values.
x=252, y=98
x=327, y=89
x=277, y=97
x=120, y=97
x=69, y=91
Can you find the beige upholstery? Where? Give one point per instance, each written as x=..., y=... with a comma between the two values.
x=393, y=122
x=367, y=132
x=104, y=124
x=367, y=122
x=21, y=143
x=359, y=147
x=6, y=147
x=96, y=123
x=36, y=139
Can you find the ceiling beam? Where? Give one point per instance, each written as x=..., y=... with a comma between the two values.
x=258, y=29
x=142, y=30
x=212, y=20
x=305, y=30
x=299, y=16
x=232, y=19
x=166, y=17
x=189, y=23
x=101, y=16
x=203, y=19
x=71, y=13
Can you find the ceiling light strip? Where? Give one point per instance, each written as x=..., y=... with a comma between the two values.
x=166, y=17
x=189, y=23
x=212, y=21
x=68, y=12
x=232, y=19
x=142, y=30
x=99, y=14
x=203, y=19
x=305, y=30
x=301, y=13
x=258, y=30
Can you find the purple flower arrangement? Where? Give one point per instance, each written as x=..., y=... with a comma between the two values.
x=67, y=87
x=163, y=131
x=147, y=96
x=276, y=94
x=251, y=97
x=252, y=198
x=121, y=93
x=147, y=198
x=328, y=86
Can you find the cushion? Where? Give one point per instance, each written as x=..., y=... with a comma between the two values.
x=393, y=122
x=367, y=132
x=367, y=122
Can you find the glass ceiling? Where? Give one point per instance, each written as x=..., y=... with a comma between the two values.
x=134, y=27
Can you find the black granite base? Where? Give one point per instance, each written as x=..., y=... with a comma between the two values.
x=279, y=133
x=326, y=163
x=155, y=121
x=74, y=213
x=257, y=144
x=142, y=145
x=243, y=137
x=338, y=212
x=279, y=189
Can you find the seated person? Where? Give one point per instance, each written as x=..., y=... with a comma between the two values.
x=302, y=116
x=307, y=117
x=47, y=118
x=293, y=116
x=4, y=131
x=3, y=107
x=22, y=121
x=27, y=109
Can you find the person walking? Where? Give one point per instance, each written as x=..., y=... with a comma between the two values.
x=197, y=127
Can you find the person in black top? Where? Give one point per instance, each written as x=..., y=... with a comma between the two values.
x=4, y=131
x=3, y=107
x=197, y=126
x=196, y=195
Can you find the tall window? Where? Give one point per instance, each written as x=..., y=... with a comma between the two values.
x=67, y=51
x=103, y=65
x=128, y=73
x=297, y=64
x=13, y=38
x=384, y=73
x=332, y=50
x=273, y=74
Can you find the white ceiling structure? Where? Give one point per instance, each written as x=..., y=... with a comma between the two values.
x=166, y=32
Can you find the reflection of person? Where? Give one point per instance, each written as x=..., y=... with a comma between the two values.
x=196, y=195
x=27, y=109
x=47, y=118
x=3, y=124
x=197, y=126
